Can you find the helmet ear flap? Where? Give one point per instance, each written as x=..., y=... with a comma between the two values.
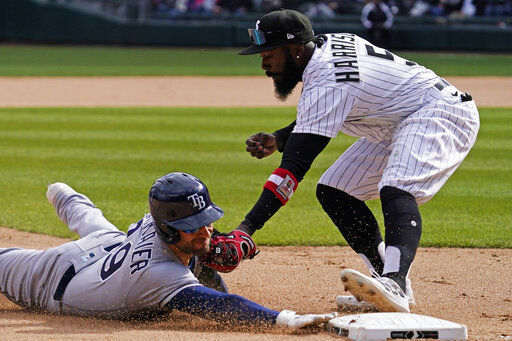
x=174, y=236
x=168, y=234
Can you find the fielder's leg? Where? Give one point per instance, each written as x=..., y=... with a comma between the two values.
x=427, y=147
x=342, y=190
x=76, y=210
x=402, y=222
x=356, y=223
x=353, y=179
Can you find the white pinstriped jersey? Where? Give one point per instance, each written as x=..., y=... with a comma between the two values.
x=352, y=86
x=414, y=131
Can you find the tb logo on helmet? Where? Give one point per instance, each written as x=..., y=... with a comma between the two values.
x=197, y=200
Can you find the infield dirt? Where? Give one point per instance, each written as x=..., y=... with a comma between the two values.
x=468, y=286
x=189, y=91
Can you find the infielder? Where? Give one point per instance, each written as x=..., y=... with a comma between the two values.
x=414, y=130
x=155, y=267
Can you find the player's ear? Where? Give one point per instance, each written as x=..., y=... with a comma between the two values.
x=297, y=51
x=300, y=50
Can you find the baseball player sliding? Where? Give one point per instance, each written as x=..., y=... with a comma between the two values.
x=153, y=268
x=414, y=130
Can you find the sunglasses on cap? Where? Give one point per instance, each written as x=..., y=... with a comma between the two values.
x=258, y=37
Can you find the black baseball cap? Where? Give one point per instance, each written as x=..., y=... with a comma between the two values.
x=277, y=29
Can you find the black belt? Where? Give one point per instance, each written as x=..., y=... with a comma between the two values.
x=464, y=97
x=64, y=281
x=70, y=273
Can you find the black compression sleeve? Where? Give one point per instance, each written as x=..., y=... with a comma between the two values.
x=299, y=153
x=266, y=206
x=282, y=136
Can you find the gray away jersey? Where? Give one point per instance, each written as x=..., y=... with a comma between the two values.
x=116, y=273
x=140, y=273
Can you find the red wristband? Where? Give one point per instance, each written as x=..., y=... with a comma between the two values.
x=282, y=183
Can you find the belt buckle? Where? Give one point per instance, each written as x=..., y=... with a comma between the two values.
x=441, y=84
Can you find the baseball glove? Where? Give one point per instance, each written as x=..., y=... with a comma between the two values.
x=227, y=250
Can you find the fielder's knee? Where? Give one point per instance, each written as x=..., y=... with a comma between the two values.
x=321, y=192
x=402, y=217
x=355, y=222
x=397, y=202
x=339, y=205
x=330, y=197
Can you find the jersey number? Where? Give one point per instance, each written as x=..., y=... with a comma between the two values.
x=114, y=262
x=386, y=55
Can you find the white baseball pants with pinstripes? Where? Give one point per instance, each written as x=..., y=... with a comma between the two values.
x=423, y=152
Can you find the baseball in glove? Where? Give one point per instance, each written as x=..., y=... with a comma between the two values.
x=227, y=250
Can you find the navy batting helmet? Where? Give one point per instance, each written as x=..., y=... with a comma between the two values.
x=180, y=201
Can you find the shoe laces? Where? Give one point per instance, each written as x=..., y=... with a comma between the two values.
x=391, y=286
x=374, y=273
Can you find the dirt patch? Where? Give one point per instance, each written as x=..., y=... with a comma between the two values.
x=468, y=286
x=189, y=91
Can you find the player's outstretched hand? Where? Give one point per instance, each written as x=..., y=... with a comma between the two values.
x=261, y=145
x=290, y=319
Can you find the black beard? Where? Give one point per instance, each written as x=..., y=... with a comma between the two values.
x=291, y=75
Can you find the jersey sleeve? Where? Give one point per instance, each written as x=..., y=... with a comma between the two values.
x=322, y=110
x=161, y=283
x=282, y=136
x=221, y=307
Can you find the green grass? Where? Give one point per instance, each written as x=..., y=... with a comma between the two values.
x=118, y=61
x=114, y=155
x=463, y=64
